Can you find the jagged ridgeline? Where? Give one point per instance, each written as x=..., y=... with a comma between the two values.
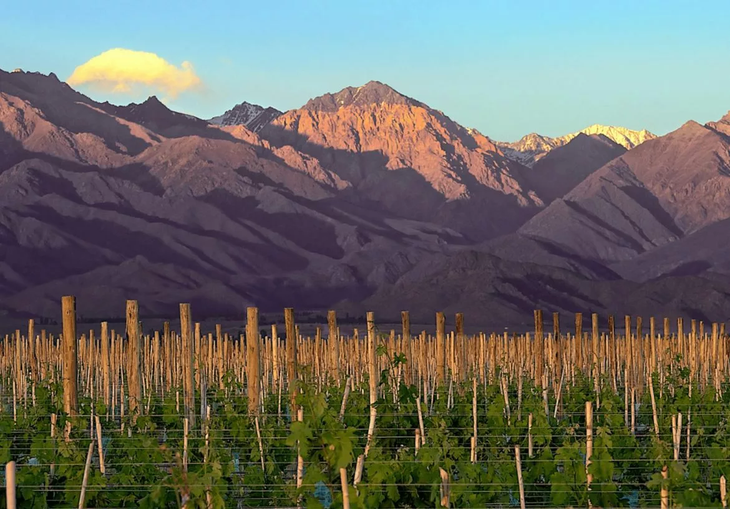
x=363, y=199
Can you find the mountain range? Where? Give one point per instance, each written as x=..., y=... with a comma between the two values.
x=361, y=199
x=532, y=147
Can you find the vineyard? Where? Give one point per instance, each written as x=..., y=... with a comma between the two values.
x=600, y=416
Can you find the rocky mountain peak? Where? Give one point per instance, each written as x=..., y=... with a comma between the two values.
x=253, y=116
x=152, y=103
x=528, y=149
x=155, y=115
x=373, y=92
x=722, y=125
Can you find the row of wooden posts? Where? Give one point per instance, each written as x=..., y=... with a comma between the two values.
x=110, y=364
x=144, y=364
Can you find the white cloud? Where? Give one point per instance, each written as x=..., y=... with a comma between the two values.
x=118, y=70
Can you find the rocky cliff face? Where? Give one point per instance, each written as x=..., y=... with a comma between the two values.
x=409, y=159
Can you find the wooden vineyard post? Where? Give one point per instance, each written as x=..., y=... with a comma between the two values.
x=676, y=434
x=18, y=369
x=579, y=340
x=105, y=367
x=421, y=426
x=291, y=359
x=275, y=355
x=628, y=369
x=633, y=411
x=594, y=357
x=459, y=325
x=664, y=494
x=557, y=362
x=372, y=381
x=70, y=360
x=219, y=358
x=406, y=336
x=102, y=466
x=135, y=360
x=715, y=357
x=10, y=485
x=171, y=355
x=87, y=469
x=345, y=492
x=613, y=356
x=639, y=352
x=186, y=431
x=652, y=345
x=345, y=395
x=440, y=349
x=559, y=393
x=589, y=443
x=253, y=359
x=300, y=459
x=54, y=418
x=723, y=491
x=445, y=488
x=538, y=345
x=505, y=394
x=520, y=482
x=31, y=348
x=186, y=331
x=655, y=417
x=372, y=378
x=317, y=355
x=333, y=345
x=475, y=420
x=664, y=343
x=261, y=442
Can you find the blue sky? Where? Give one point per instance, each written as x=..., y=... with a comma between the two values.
x=505, y=68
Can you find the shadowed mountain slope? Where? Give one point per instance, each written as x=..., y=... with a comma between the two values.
x=497, y=292
x=702, y=252
x=654, y=194
x=567, y=166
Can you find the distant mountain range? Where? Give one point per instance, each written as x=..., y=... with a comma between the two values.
x=361, y=199
x=532, y=147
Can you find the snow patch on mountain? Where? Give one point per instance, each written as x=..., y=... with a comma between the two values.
x=621, y=135
x=532, y=147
